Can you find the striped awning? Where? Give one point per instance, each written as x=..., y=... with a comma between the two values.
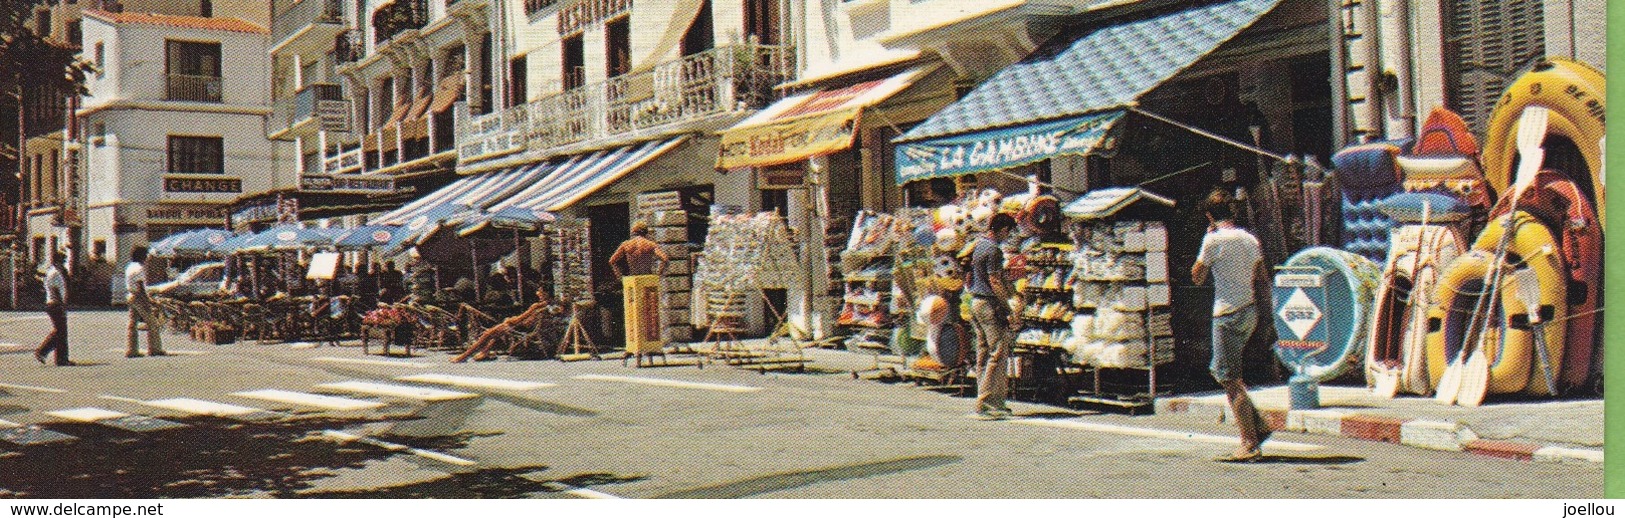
x=470, y=193
x=580, y=176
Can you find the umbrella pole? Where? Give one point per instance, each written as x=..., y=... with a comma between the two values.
x=520, y=263
x=474, y=265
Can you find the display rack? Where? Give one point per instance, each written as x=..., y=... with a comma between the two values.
x=1121, y=291
x=744, y=256
x=1038, y=361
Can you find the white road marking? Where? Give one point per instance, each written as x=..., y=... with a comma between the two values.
x=398, y=391
x=170, y=352
x=304, y=345
x=306, y=399
x=4, y=424
x=33, y=388
x=365, y=361
x=474, y=382
x=23, y=319
x=431, y=455
x=201, y=407
x=87, y=414
x=580, y=492
x=1162, y=434
x=9, y=346
x=670, y=383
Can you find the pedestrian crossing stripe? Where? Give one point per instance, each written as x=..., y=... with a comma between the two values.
x=397, y=391
x=4, y=424
x=87, y=414
x=474, y=382
x=669, y=383
x=365, y=361
x=32, y=388
x=1161, y=434
x=312, y=400
x=431, y=455
x=201, y=407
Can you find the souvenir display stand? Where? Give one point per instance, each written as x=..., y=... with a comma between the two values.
x=1038, y=364
x=744, y=256
x=1120, y=294
x=886, y=259
x=571, y=247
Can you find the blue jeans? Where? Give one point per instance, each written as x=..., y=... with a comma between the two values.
x=1230, y=334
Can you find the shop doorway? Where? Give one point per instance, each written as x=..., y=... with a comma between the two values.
x=609, y=228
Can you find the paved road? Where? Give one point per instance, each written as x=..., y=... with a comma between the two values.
x=293, y=420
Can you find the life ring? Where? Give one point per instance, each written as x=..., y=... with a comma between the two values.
x=1351, y=286
x=1398, y=348
x=1558, y=202
x=1576, y=95
x=1507, y=337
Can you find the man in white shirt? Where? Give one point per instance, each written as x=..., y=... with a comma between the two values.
x=56, y=301
x=1233, y=257
x=142, y=309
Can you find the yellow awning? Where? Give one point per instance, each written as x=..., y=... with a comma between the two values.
x=806, y=125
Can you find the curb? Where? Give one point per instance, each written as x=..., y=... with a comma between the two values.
x=1418, y=433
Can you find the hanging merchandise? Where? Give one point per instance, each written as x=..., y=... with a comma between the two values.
x=744, y=255
x=572, y=259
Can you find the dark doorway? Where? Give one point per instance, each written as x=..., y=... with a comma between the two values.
x=700, y=35
x=609, y=228
x=762, y=21
x=618, y=46
x=575, y=63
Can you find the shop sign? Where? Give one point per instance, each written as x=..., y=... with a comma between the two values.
x=255, y=214
x=781, y=177
x=202, y=184
x=322, y=182
x=1299, y=315
x=1002, y=148
x=788, y=141
x=334, y=114
x=192, y=213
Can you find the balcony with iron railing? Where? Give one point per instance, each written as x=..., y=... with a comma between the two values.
x=203, y=89
x=348, y=46
x=288, y=113
x=668, y=98
x=397, y=17
x=321, y=16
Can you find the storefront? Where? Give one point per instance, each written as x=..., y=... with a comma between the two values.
x=1184, y=104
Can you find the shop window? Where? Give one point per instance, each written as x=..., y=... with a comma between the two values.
x=700, y=35
x=517, y=72
x=575, y=63
x=1486, y=44
x=196, y=155
x=618, y=46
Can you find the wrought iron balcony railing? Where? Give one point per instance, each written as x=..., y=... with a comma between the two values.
x=204, y=89
x=290, y=111
x=721, y=80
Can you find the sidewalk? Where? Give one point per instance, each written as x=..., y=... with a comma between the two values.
x=1535, y=430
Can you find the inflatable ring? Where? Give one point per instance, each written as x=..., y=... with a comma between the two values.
x=1351, y=286
x=1575, y=94
x=1559, y=203
x=1509, y=337
x=1398, y=347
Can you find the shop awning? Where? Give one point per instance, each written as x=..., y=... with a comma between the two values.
x=806, y=125
x=470, y=193
x=451, y=87
x=416, y=124
x=1074, y=86
x=580, y=176
x=444, y=195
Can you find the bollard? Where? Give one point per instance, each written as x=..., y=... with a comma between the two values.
x=1303, y=393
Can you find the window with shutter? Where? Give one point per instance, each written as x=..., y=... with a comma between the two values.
x=1487, y=43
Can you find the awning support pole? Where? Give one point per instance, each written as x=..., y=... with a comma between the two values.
x=1214, y=136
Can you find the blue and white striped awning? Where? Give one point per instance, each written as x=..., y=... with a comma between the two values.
x=469, y=193
x=1075, y=84
x=581, y=175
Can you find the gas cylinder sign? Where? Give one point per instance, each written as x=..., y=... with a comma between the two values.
x=1300, y=302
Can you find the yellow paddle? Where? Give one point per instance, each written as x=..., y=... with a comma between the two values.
x=1467, y=377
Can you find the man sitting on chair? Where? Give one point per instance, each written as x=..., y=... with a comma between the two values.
x=529, y=319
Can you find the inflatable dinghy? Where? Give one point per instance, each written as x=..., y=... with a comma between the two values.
x=1574, y=92
x=1555, y=200
x=1429, y=239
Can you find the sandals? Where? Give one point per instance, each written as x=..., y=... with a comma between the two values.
x=1250, y=456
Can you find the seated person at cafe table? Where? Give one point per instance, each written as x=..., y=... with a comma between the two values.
x=529, y=319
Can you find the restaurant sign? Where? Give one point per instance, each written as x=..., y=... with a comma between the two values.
x=202, y=183
x=1002, y=148
x=788, y=141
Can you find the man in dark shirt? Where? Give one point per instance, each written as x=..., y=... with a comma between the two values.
x=991, y=317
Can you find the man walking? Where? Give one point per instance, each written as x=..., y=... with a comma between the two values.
x=142, y=309
x=56, y=301
x=1232, y=256
x=991, y=318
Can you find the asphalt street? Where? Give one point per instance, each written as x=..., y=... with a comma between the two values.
x=296, y=420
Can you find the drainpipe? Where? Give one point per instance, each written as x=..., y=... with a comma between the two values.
x=1338, y=74
x=1372, y=33
x=1404, y=70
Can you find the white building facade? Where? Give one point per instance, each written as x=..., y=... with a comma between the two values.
x=173, y=126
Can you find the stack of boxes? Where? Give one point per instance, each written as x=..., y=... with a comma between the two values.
x=668, y=226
